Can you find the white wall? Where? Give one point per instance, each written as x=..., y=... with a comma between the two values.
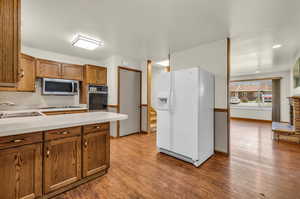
x=43, y=54
x=144, y=82
x=112, y=63
x=252, y=113
x=294, y=91
x=285, y=91
x=211, y=57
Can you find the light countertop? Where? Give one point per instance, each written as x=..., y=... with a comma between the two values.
x=15, y=126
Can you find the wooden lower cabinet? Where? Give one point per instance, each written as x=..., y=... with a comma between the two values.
x=62, y=163
x=45, y=164
x=21, y=172
x=95, y=152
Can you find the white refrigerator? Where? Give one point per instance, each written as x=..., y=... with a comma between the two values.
x=184, y=101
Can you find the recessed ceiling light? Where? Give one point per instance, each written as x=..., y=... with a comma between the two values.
x=86, y=42
x=164, y=63
x=277, y=46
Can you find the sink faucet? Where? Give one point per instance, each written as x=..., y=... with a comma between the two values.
x=7, y=103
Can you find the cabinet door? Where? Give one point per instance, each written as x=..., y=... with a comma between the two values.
x=48, y=69
x=101, y=76
x=95, y=152
x=73, y=72
x=27, y=74
x=21, y=172
x=91, y=76
x=9, y=41
x=96, y=75
x=62, y=163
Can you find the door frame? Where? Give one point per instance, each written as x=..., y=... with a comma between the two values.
x=119, y=98
x=149, y=93
x=228, y=42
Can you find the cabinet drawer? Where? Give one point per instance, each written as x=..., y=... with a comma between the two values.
x=62, y=133
x=19, y=140
x=96, y=127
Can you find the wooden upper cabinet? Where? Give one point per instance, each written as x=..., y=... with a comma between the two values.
x=21, y=172
x=90, y=75
x=27, y=74
x=9, y=41
x=71, y=71
x=95, y=75
x=62, y=162
x=48, y=69
x=57, y=70
x=101, y=76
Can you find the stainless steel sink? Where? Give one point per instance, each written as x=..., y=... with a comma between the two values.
x=22, y=114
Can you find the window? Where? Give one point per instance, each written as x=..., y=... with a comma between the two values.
x=251, y=93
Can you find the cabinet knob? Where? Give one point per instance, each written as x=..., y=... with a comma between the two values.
x=63, y=133
x=18, y=141
x=48, y=153
x=21, y=73
x=85, y=144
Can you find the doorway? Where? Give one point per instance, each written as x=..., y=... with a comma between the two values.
x=129, y=100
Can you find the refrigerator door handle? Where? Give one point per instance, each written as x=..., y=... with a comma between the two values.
x=171, y=97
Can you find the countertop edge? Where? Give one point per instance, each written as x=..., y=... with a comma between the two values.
x=59, y=126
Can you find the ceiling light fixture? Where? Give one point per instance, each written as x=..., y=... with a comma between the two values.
x=86, y=42
x=164, y=63
x=276, y=46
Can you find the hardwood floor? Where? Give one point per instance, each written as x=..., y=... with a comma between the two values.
x=257, y=168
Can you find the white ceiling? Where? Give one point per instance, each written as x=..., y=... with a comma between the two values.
x=145, y=29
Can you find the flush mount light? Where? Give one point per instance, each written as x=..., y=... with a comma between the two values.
x=86, y=42
x=164, y=63
x=276, y=46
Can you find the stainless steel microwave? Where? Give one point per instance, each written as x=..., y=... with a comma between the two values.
x=59, y=87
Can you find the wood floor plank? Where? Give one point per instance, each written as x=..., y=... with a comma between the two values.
x=257, y=168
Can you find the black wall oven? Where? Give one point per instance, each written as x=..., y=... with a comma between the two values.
x=98, y=97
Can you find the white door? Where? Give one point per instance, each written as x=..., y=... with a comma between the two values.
x=206, y=116
x=130, y=101
x=185, y=112
x=161, y=89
